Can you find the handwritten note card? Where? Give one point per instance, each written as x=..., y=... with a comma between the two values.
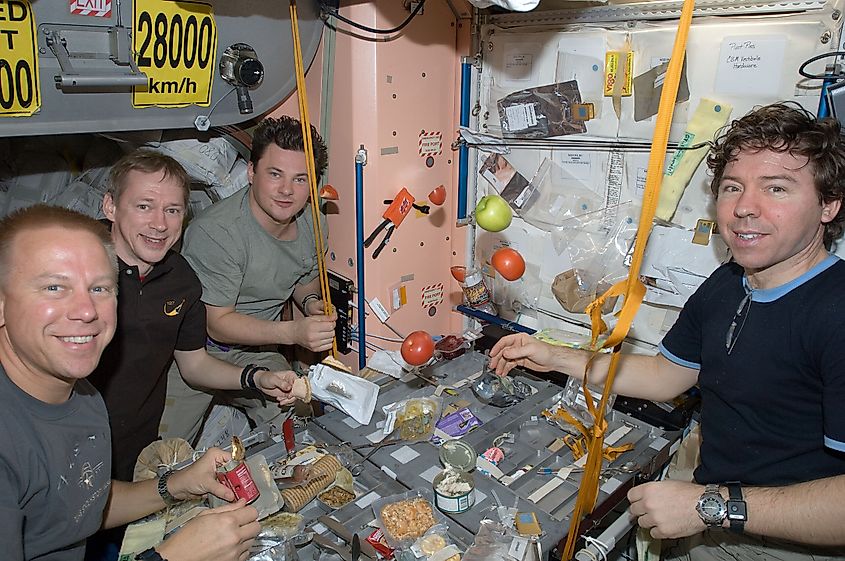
x=751, y=65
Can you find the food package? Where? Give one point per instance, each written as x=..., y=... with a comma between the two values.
x=353, y=395
x=323, y=473
x=282, y=524
x=414, y=419
x=407, y=516
x=168, y=452
x=435, y=545
x=341, y=492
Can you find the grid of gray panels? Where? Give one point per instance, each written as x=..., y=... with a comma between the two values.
x=396, y=468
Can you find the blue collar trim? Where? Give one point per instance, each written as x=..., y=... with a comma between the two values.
x=772, y=294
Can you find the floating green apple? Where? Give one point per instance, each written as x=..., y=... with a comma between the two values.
x=493, y=213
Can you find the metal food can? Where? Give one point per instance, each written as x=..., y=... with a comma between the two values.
x=454, y=491
x=236, y=476
x=454, y=487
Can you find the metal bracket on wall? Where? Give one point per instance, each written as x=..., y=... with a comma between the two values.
x=87, y=44
x=660, y=10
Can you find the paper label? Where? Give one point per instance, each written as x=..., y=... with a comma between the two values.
x=430, y=143
x=518, y=548
x=619, y=65
x=520, y=116
x=751, y=66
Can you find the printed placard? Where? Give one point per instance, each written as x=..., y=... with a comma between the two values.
x=176, y=47
x=431, y=143
x=432, y=295
x=90, y=8
x=20, y=90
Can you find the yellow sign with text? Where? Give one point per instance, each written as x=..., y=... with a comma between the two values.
x=20, y=92
x=176, y=47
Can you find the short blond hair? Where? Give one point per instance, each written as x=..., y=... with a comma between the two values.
x=43, y=216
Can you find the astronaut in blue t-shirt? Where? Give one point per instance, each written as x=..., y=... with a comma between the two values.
x=764, y=338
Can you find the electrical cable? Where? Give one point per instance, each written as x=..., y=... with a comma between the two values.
x=811, y=60
x=334, y=13
x=354, y=35
x=602, y=548
x=390, y=327
x=379, y=337
x=388, y=339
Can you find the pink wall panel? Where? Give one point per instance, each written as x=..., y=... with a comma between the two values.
x=385, y=94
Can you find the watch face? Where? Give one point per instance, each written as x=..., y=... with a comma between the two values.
x=712, y=509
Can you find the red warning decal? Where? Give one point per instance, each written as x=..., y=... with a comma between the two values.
x=94, y=8
x=432, y=295
x=431, y=143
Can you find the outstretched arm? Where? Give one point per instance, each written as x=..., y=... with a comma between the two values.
x=229, y=326
x=198, y=368
x=645, y=377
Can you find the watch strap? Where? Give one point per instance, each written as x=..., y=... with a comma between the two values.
x=149, y=555
x=737, y=509
x=165, y=495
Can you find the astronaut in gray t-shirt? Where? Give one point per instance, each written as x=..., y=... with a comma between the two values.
x=252, y=252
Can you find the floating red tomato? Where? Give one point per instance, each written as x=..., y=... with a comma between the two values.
x=438, y=196
x=328, y=193
x=509, y=263
x=417, y=348
x=459, y=273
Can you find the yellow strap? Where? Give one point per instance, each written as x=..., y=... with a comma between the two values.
x=631, y=289
x=305, y=121
x=612, y=452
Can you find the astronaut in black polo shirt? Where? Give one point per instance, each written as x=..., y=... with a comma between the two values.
x=159, y=309
x=764, y=338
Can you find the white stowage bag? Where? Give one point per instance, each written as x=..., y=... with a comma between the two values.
x=513, y=5
x=351, y=394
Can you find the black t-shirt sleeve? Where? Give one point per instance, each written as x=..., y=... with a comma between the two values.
x=192, y=332
x=682, y=344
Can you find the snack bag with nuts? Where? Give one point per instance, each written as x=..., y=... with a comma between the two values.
x=407, y=516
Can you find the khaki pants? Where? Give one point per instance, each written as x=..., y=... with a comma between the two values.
x=185, y=407
x=722, y=545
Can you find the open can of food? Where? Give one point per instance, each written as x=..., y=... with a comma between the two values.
x=236, y=476
x=454, y=491
x=454, y=487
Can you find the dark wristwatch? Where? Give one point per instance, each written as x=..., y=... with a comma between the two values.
x=737, y=511
x=149, y=555
x=711, y=507
x=168, y=499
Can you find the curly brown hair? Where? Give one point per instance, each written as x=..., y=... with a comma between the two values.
x=787, y=127
x=286, y=133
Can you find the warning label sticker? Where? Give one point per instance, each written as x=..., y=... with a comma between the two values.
x=431, y=143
